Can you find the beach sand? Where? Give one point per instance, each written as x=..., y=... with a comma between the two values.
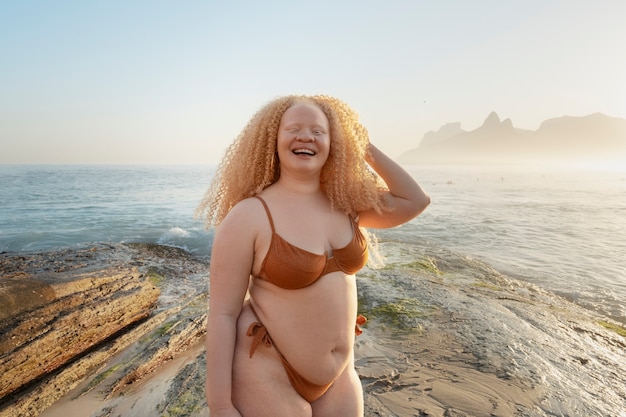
x=432, y=375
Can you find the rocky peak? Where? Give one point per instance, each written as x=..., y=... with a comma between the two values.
x=445, y=132
x=493, y=120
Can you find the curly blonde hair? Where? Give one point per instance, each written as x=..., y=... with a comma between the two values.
x=251, y=163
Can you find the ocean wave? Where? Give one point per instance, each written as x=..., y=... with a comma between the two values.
x=175, y=236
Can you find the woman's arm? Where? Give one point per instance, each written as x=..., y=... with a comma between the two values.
x=405, y=196
x=231, y=262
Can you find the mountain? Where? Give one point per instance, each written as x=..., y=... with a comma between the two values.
x=592, y=138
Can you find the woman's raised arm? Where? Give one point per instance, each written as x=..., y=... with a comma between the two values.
x=405, y=197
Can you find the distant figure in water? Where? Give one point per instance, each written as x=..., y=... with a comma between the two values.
x=291, y=197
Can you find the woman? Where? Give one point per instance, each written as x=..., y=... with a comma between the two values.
x=290, y=197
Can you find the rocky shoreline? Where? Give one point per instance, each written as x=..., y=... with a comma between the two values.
x=65, y=315
x=116, y=330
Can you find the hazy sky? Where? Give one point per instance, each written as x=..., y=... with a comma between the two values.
x=176, y=81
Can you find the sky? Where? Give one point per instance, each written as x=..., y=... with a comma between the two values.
x=165, y=82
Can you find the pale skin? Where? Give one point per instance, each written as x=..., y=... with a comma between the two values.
x=317, y=334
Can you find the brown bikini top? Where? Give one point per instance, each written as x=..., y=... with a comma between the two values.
x=291, y=267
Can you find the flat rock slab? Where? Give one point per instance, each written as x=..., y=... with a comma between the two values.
x=58, y=307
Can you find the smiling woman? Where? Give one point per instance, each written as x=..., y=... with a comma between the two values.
x=290, y=198
x=251, y=163
x=303, y=133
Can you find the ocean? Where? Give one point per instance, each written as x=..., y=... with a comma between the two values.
x=563, y=230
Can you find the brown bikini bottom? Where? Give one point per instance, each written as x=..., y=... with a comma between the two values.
x=308, y=390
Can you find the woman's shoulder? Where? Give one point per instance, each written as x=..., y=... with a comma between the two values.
x=243, y=224
x=245, y=213
x=248, y=215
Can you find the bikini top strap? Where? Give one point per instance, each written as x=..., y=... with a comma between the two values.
x=267, y=210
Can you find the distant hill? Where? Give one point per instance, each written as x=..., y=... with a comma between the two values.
x=587, y=138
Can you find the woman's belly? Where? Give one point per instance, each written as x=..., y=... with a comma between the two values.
x=312, y=327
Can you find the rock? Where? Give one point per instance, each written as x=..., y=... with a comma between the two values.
x=446, y=335
x=63, y=314
x=41, y=341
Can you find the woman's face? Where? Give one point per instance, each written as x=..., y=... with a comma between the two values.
x=303, y=138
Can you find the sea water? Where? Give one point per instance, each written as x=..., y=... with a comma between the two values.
x=561, y=229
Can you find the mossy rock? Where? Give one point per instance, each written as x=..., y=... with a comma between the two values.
x=402, y=314
x=620, y=330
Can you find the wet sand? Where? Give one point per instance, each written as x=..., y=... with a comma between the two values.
x=432, y=375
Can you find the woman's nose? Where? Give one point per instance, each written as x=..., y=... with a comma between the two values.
x=305, y=136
